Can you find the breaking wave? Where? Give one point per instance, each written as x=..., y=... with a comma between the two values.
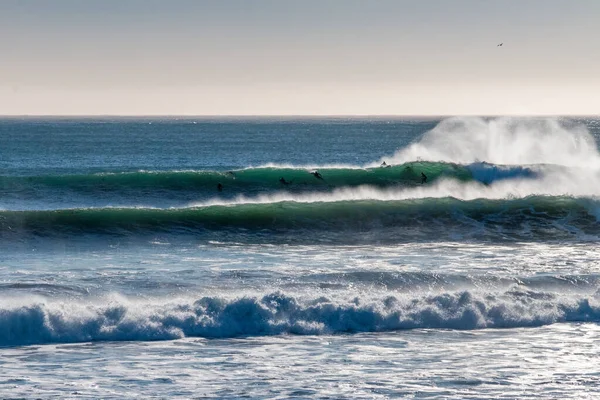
x=39, y=321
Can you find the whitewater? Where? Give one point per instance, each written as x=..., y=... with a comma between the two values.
x=185, y=257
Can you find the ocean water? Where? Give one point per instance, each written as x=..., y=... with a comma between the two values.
x=278, y=258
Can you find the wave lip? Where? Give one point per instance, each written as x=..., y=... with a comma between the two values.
x=277, y=313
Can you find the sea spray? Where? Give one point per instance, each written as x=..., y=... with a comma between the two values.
x=505, y=140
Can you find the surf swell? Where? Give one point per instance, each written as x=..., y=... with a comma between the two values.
x=43, y=321
x=543, y=215
x=256, y=180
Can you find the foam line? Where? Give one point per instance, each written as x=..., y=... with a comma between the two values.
x=43, y=321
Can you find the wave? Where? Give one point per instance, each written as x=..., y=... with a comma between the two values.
x=40, y=321
x=256, y=180
x=410, y=219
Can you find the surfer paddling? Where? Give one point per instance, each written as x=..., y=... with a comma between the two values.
x=316, y=174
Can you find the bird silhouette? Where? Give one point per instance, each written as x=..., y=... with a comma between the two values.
x=499, y=45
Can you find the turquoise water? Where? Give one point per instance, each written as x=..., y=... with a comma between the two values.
x=164, y=257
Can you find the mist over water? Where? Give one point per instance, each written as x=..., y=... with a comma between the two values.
x=504, y=140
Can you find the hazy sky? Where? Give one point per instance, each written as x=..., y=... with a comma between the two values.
x=401, y=57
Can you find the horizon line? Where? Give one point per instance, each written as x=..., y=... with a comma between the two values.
x=431, y=116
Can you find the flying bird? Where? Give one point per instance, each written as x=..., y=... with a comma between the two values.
x=499, y=45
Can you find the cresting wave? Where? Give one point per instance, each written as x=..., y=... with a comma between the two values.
x=548, y=216
x=41, y=321
x=258, y=180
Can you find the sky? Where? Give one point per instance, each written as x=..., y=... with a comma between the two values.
x=310, y=57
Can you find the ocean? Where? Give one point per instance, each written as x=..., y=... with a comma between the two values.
x=359, y=258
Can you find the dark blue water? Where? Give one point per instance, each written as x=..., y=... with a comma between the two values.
x=40, y=146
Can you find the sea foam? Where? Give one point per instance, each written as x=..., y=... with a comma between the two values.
x=49, y=321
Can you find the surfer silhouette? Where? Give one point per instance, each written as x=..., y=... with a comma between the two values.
x=385, y=165
x=219, y=187
x=423, y=178
x=316, y=174
x=283, y=181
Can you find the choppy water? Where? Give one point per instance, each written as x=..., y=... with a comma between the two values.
x=127, y=271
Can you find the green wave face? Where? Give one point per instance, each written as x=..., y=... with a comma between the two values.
x=246, y=181
x=422, y=219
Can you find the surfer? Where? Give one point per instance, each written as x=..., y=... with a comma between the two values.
x=316, y=174
x=385, y=165
x=423, y=178
x=231, y=173
x=283, y=181
x=219, y=187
